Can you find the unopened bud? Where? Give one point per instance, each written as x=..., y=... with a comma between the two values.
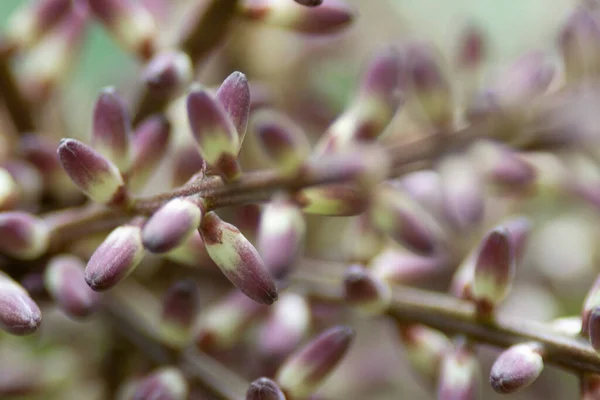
x=404, y=267
x=180, y=308
x=171, y=225
x=264, y=389
x=459, y=375
x=426, y=188
x=234, y=95
x=238, y=259
x=115, y=258
x=64, y=279
x=9, y=189
x=167, y=73
x=505, y=167
x=167, y=383
x=519, y=228
x=129, y=22
x=366, y=292
x=472, y=48
x=517, y=368
x=579, y=43
x=305, y=370
x=29, y=23
x=593, y=325
x=93, y=174
x=333, y=200
x=425, y=348
x=331, y=16
x=494, y=268
x=284, y=142
x=19, y=314
x=281, y=236
x=214, y=131
x=23, y=235
x=111, y=128
x=149, y=145
x=592, y=301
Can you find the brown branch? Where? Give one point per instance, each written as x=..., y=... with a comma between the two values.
x=455, y=316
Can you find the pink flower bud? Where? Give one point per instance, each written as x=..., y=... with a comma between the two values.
x=238, y=259
x=32, y=21
x=167, y=383
x=459, y=375
x=425, y=348
x=64, y=279
x=111, y=128
x=333, y=200
x=472, y=48
x=93, y=174
x=19, y=314
x=281, y=236
x=331, y=16
x=180, y=308
x=115, y=258
x=150, y=143
x=365, y=292
x=22, y=235
x=171, y=225
x=517, y=368
x=264, y=389
x=403, y=267
x=234, y=95
x=167, y=73
x=306, y=369
x=129, y=22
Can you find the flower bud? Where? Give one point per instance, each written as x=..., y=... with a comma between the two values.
x=237, y=259
x=22, y=235
x=167, y=73
x=9, y=189
x=366, y=292
x=519, y=228
x=517, y=368
x=331, y=16
x=284, y=142
x=214, y=131
x=281, y=236
x=234, y=95
x=494, y=268
x=149, y=144
x=115, y=258
x=129, y=22
x=404, y=267
x=425, y=187
x=425, y=349
x=166, y=383
x=579, y=43
x=459, y=375
x=405, y=221
x=180, y=307
x=285, y=327
x=593, y=325
x=333, y=200
x=32, y=21
x=264, y=389
x=111, y=128
x=93, y=174
x=592, y=301
x=306, y=369
x=64, y=278
x=224, y=323
x=472, y=49
x=19, y=314
x=171, y=225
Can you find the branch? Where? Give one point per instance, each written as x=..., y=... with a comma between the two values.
x=455, y=316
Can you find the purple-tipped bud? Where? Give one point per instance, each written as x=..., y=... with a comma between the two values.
x=234, y=95
x=366, y=292
x=331, y=16
x=214, y=131
x=494, y=268
x=472, y=48
x=593, y=325
x=430, y=86
x=19, y=314
x=517, y=368
x=426, y=188
x=383, y=80
x=168, y=73
x=280, y=236
x=333, y=200
x=238, y=259
x=64, y=279
x=519, y=228
x=224, y=323
x=286, y=326
x=171, y=225
x=191, y=253
x=131, y=24
x=284, y=142
x=459, y=375
x=462, y=191
x=405, y=221
x=93, y=174
x=404, y=267
x=29, y=23
x=425, y=348
x=264, y=389
x=579, y=43
x=305, y=370
x=22, y=235
x=111, y=128
x=115, y=258
x=505, y=167
x=150, y=143
x=167, y=383
x=180, y=308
